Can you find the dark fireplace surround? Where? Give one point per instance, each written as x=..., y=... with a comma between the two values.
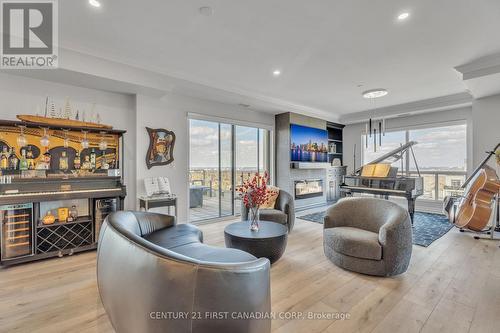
x=308, y=188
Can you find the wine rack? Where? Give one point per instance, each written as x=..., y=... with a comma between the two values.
x=64, y=236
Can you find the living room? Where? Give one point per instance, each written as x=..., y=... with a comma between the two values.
x=249, y=166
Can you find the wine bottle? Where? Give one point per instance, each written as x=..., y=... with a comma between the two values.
x=23, y=163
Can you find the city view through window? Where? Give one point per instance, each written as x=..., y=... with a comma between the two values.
x=441, y=154
x=222, y=156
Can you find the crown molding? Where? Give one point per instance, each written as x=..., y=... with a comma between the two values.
x=442, y=103
x=480, y=67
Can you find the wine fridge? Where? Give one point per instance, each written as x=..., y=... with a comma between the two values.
x=102, y=208
x=17, y=230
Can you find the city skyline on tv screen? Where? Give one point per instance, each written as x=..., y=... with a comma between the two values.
x=308, y=144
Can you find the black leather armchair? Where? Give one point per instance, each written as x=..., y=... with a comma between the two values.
x=157, y=276
x=283, y=211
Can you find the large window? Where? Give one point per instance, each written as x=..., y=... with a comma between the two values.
x=221, y=157
x=390, y=141
x=441, y=154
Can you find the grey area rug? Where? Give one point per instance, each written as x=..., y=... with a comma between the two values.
x=427, y=227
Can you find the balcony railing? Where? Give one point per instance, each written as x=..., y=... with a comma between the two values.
x=439, y=184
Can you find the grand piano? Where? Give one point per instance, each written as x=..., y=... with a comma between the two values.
x=380, y=177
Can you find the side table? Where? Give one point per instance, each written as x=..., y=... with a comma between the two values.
x=158, y=201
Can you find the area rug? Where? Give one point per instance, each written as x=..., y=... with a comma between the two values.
x=427, y=227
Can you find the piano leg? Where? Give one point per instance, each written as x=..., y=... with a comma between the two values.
x=411, y=208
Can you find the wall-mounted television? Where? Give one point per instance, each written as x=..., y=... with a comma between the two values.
x=308, y=144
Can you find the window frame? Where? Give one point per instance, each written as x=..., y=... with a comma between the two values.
x=436, y=173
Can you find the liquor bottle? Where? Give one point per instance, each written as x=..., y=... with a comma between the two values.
x=29, y=157
x=104, y=162
x=23, y=163
x=77, y=161
x=46, y=159
x=63, y=161
x=4, y=159
x=86, y=163
x=92, y=159
x=13, y=160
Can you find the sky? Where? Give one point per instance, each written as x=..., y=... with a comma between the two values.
x=204, y=145
x=437, y=148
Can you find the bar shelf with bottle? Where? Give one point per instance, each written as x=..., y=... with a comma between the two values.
x=57, y=185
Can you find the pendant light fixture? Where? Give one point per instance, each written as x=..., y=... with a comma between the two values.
x=374, y=126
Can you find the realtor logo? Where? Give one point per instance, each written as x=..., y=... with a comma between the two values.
x=29, y=34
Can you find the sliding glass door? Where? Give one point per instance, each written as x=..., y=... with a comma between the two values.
x=221, y=157
x=205, y=169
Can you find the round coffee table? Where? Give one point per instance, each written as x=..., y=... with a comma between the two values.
x=269, y=242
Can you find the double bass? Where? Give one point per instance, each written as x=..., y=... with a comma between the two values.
x=474, y=209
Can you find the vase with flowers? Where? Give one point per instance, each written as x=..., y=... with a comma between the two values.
x=253, y=193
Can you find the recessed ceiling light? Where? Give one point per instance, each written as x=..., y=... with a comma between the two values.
x=403, y=16
x=276, y=72
x=375, y=93
x=95, y=3
x=206, y=11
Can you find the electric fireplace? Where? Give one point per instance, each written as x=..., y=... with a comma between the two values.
x=308, y=188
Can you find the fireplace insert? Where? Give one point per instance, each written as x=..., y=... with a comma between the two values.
x=308, y=188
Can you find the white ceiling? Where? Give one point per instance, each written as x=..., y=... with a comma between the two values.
x=324, y=48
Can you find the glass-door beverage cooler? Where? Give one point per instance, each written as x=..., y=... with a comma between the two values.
x=102, y=208
x=17, y=230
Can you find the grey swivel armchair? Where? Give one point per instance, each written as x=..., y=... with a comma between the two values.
x=369, y=236
x=283, y=211
x=155, y=275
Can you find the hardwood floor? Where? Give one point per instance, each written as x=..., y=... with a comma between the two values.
x=451, y=286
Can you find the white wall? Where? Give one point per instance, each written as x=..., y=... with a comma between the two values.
x=486, y=116
x=171, y=113
x=20, y=95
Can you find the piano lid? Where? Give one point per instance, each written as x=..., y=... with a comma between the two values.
x=392, y=156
